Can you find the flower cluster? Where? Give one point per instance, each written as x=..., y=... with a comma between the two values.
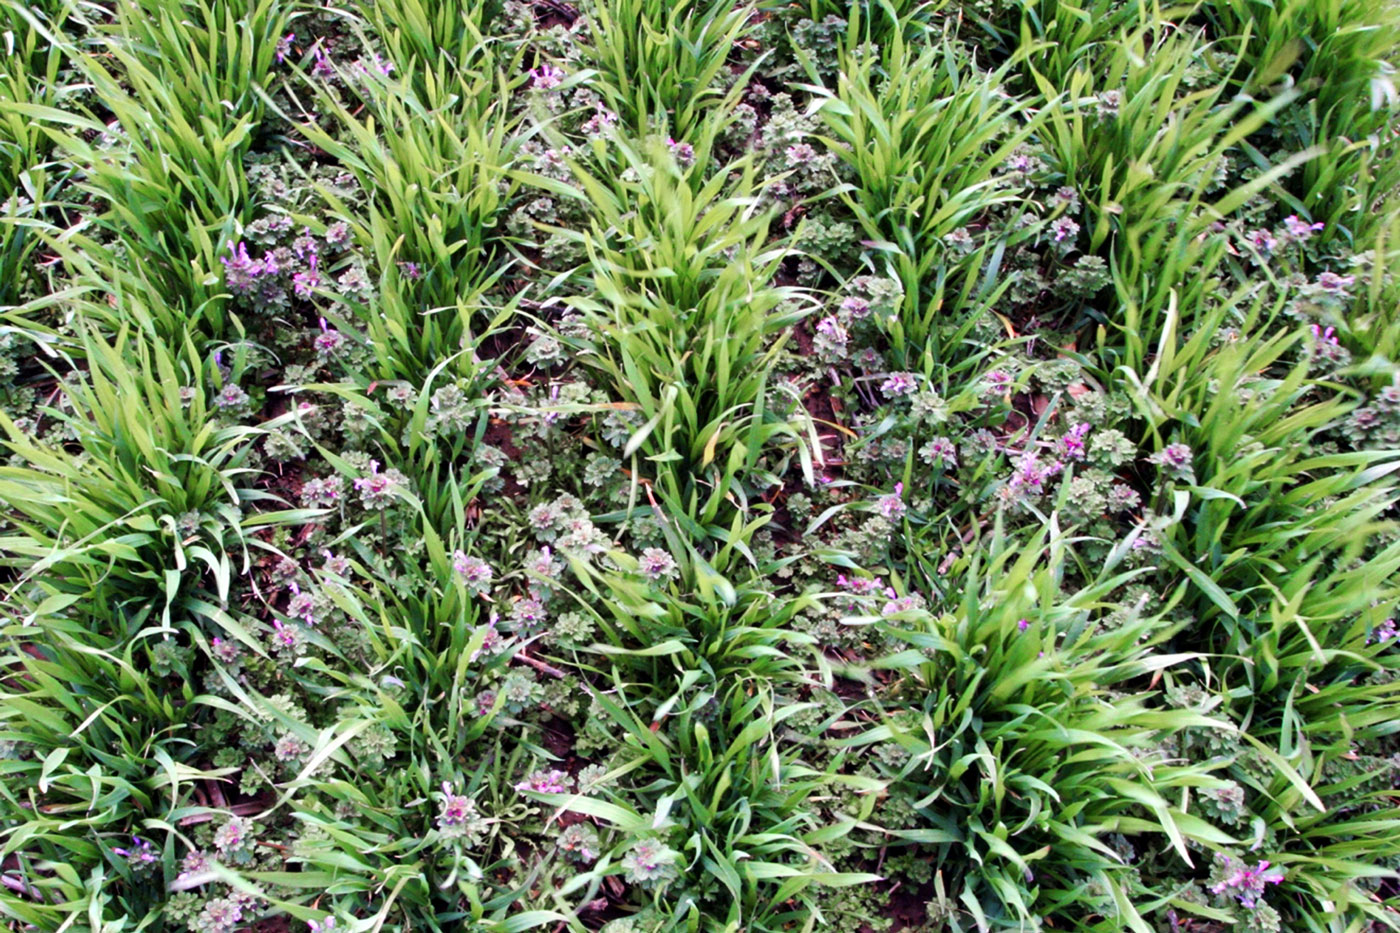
x=459, y=818
x=234, y=841
x=475, y=573
x=579, y=843
x=650, y=863
x=378, y=491
x=1245, y=883
x=547, y=782
x=1384, y=632
x=1175, y=461
x=141, y=857
x=891, y=507
x=656, y=564
x=899, y=384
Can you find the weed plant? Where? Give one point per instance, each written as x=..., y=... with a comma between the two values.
x=637, y=467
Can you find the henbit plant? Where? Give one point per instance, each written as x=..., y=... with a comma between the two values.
x=108, y=750
x=440, y=461
x=414, y=675
x=870, y=20
x=1282, y=550
x=702, y=628
x=1145, y=169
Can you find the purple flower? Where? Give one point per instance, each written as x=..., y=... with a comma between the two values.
x=329, y=340
x=476, y=574
x=898, y=604
x=869, y=360
x=222, y=914
x=283, y=635
x=1175, y=455
x=336, y=564
x=241, y=271
x=940, y=449
x=410, y=271
x=233, y=835
x=528, y=612
x=194, y=863
x=650, y=863
x=998, y=382
x=543, y=564
x=1175, y=460
x=800, y=153
x=1262, y=240
x=225, y=651
x=492, y=641
x=305, y=246
x=1019, y=163
x=231, y=396
x=289, y=748
x=378, y=490
x=579, y=842
x=1023, y=624
x=284, y=46
x=381, y=65
x=302, y=605
x=892, y=507
x=1122, y=497
x=857, y=308
x=322, y=67
x=1072, y=444
x=601, y=120
x=546, y=782
x=305, y=282
x=338, y=234
x=1031, y=474
x=860, y=586
x=898, y=384
x=684, y=152
x=457, y=810
x=656, y=564
x=1328, y=336
x=323, y=926
x=1386, y=631
x=1300, y=230
x=141, y=855
x=546, y=77
x=1332, y=282
x=1064, y=229
x=1247, y=884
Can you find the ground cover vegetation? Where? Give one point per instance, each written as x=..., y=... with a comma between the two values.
x=652, y=465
